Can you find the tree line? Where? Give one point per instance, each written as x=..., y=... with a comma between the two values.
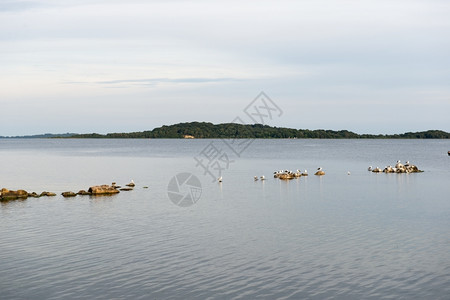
x=205, y=130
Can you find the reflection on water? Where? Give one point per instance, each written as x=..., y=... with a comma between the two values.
x=358, y=236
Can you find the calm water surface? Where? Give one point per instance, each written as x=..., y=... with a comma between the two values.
x=358, y=236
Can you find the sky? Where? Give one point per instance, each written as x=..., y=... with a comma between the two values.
x=120, y=66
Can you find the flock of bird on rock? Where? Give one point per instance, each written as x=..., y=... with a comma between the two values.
x=287, y=174
x=398, y=168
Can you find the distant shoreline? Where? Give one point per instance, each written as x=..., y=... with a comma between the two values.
x=204, y=130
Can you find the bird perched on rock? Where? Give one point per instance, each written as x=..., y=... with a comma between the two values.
x=320, y=172
x=377, y=170
x=399, y=165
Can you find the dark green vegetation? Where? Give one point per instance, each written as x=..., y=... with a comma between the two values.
x=40, y=136
x=232, y=130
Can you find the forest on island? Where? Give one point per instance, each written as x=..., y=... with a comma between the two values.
x=205, y=130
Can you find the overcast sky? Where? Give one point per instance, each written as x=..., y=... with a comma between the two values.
x=119, y=66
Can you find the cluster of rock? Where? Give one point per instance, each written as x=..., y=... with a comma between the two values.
x=6, y=195
x=287, y=175
x=104, y=189
x=398, y=168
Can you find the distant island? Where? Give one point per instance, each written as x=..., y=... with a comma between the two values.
x=205, y=130
x=40, y=136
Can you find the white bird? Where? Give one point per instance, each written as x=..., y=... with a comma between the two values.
x=219, y=179
x=348, y=173
x=256, y=178
x=263, y=178
x=319, y=169
x=369, y=168
x=407, y=164
x=306, y=172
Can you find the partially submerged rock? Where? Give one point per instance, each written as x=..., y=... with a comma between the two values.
x=48, y=194
x=103, y=190
x=126, y=189
x=83, y=192
x=319, y=173
x=131, y=184
x=6, y=195
x=377, y=170
x=286, y=176
x=68, y=194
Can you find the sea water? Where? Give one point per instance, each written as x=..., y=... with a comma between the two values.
x=351, y=234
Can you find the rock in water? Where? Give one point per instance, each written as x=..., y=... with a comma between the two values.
x=68, y=194
x=48, y=194
x=83, y=192
x=103, y=190
x=319, y=173
x=6, y=194
x=131, y=184
x=286, y=176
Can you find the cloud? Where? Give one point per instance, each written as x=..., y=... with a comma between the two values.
x=168, y=80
